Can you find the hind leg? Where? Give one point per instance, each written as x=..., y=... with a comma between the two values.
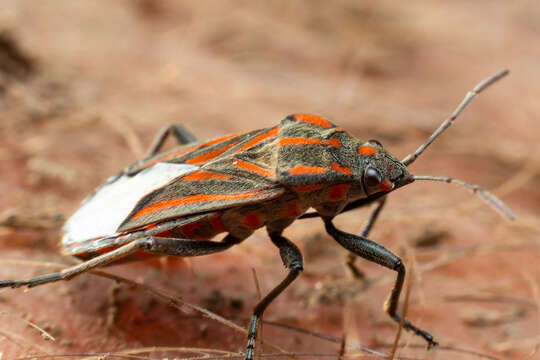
x=150, y=244
x=180, y=134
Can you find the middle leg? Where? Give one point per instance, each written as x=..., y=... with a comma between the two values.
x=150, y=244
x=292, y=259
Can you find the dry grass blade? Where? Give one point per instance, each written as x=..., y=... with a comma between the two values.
x=43, y=333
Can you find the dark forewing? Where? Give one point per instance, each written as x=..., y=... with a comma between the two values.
x=235, y=170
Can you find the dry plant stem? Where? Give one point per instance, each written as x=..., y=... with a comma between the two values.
x=31, y=324
x=347, y=316
x=126, y=131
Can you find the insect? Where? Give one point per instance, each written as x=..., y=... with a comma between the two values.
x=175, y=202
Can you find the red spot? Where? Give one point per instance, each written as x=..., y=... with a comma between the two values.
x=386, y=185
x=167, y=233
x=292, y=210
x=252, y=221
x=338, y=168
x=307, y=188
x=217, y=224
x=366, y=150
x=189, y=229
x=307, y=170
x=313, y=119
x=338, y=192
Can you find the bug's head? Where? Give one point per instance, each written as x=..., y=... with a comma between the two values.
x=381, y=171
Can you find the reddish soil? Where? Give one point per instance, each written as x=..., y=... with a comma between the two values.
x=85, y=85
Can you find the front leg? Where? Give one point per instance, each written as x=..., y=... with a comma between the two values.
x=351, y=257
x=376, y=253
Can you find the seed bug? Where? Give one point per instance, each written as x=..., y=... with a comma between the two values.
x=175, y=202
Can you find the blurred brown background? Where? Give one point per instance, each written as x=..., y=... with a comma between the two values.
x=84, y=86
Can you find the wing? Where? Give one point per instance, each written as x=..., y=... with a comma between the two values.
x=102, y=213
x=199, y=153
x=236, y=170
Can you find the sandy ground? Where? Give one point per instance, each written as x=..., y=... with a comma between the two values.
x=85, y=85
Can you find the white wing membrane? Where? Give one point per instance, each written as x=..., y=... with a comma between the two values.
x=101, y=214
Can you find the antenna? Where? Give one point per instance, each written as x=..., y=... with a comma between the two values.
x=488, y=197
x=409, y=159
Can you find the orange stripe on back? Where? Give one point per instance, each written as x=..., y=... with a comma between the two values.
x=209, y=155
x=253, y=168
x=260, y=138
x=191, y=148
x=366, y=150
x=307, y=170
x=338, y=168
x=313, y=119
x=173, y=155
x=203, y=175
x=307, y=141
x=192, y=199
x=222, y=139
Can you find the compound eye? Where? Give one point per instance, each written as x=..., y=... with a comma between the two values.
x=376, y=142
x=372, y=179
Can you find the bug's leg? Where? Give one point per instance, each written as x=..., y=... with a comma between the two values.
x=376, y=253
x=180, y=134
x=155, y=245
x=351, y=257
x=292, y=259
